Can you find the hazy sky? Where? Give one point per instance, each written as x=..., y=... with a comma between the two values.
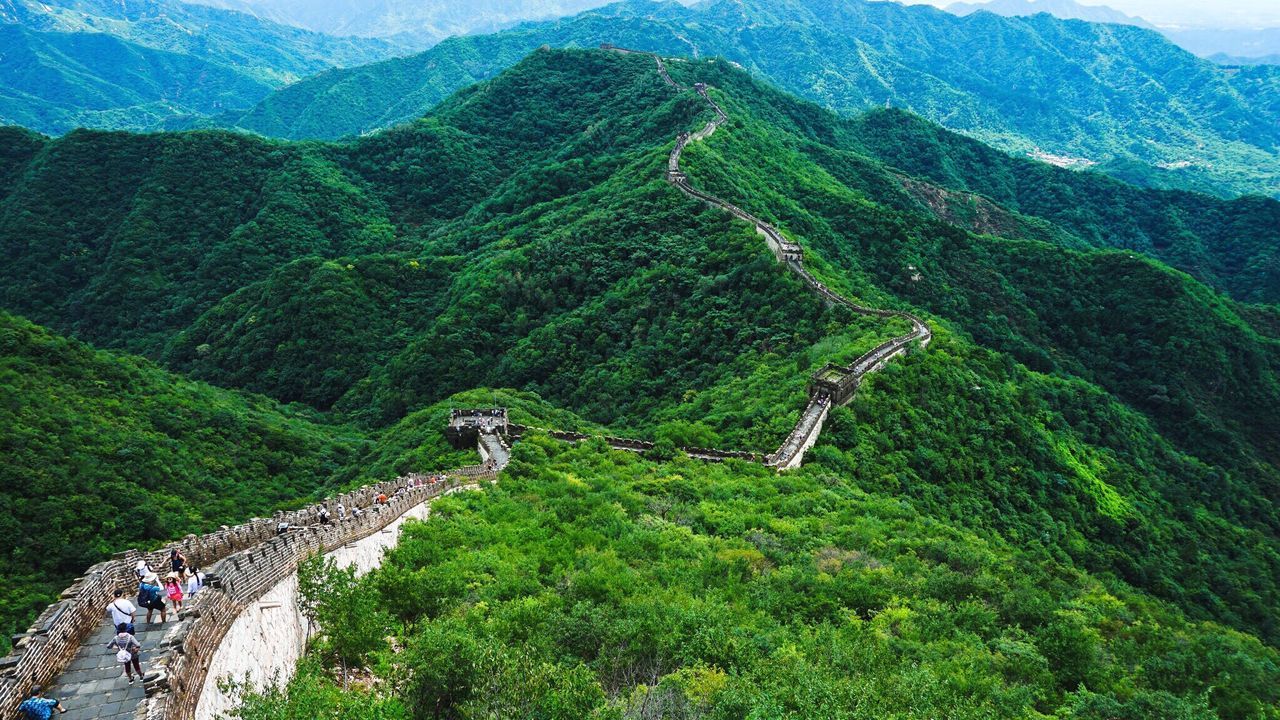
x=1213, y=13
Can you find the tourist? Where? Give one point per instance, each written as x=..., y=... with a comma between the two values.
x=323, y=513
x=382, y=498
x=177, y=561
x=141, y=569
x=121, y=611
x=127, y=650
x=149, y=596
x=342, y=512
x=173, y=590
x=39, y=707
x=356, y=512
x=195, y=581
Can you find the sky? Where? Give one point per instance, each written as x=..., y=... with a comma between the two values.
x=1201, y=13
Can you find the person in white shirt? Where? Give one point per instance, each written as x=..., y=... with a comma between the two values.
x=122, y=611
x=195, y=581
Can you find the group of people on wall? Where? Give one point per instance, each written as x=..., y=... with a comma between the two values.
x=181, y=582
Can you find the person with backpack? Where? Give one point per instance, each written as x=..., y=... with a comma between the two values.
x=121, y=611
x=149, y=597
x=39, y=707
x=127, y=650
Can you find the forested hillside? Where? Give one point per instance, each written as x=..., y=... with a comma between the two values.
x=1122, y=97
x=146, y=64
x=593, y=584
x=102, y=453
x=1067, y=501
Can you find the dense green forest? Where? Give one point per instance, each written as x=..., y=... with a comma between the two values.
x=594, y=584
x=1064, y=506
x=1120, y=99
x=103, y=453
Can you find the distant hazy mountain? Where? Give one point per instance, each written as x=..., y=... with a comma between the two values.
x=1224, y=59
x=1118, y=96
x=1064, y=9
x=423, y=21
x=141, y=63
x=55, y=82
x=1227, y=46
x=1234, y=42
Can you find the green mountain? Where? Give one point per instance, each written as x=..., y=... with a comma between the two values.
x=1069, y=92
x=56, y=82
x=105, y=452
x=1064, y=506
x=1064, y=9
x=426, y=21
x=144, y=64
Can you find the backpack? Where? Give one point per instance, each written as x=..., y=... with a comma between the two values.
x=124, y=656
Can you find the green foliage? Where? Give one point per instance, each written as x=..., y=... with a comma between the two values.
x=1120, y=96
x=351, y=624
x=597, y=584
x=112, y=65
x=311, y=695
x=103, y=453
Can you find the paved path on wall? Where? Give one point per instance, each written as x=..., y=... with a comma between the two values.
x=93, y=685
x=791, y=255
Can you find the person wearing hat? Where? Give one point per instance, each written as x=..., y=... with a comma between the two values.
x=150, y=596
x=173, y=589
x=39, y=707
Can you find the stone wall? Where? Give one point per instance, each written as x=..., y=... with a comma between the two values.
x=269, y=635
x=243, y=555
x=179, y=668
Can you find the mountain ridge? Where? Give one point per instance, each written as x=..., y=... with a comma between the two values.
x=1219, y=138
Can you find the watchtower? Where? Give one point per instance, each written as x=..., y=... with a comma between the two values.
x=465, y=425
x=835, y=381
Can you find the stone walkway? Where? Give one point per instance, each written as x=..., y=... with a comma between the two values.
x=94, y=685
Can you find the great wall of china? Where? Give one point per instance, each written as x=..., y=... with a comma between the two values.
x=247, y=563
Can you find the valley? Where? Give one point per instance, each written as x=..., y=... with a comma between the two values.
x=768, y=401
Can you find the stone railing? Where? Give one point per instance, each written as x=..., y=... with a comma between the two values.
x=178, y=667
x=253, y=549
x=823, y=392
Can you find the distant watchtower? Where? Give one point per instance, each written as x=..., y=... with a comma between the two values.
x=465, y=426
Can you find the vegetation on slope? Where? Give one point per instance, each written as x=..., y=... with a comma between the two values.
x=590, y=583
x=102, y=453
x=522, y=236
x=1121, y=96
x=146, y=65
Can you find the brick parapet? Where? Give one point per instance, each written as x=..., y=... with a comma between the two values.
x=256, y=550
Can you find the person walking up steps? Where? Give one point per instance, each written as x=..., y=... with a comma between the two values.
x=39, y=707
x=177, y=562
x=121, y=611
x=150, y=597
x=195, y=581
x=173, y=590
x=127, y=650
